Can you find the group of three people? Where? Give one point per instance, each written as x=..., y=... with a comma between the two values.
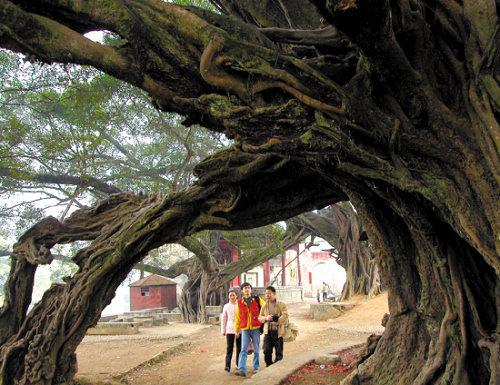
x=241, y=323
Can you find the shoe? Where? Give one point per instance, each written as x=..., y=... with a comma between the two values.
x=227, y=369
x=241, y=374
x=255, y=371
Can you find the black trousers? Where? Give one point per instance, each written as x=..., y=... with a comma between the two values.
x=229, y=349
x=271, y=340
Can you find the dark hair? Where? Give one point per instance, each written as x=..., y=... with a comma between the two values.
x=244, y=284
x=271, y=288
x=232, y=291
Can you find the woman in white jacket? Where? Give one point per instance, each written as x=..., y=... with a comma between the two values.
x=227, y=329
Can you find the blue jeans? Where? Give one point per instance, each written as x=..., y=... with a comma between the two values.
x=246, y=335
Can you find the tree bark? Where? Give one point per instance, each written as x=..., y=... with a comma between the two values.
x=408, y=133
x=362, y=273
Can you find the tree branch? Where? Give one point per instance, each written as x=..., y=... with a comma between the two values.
x=200, y=252
x=62, y=179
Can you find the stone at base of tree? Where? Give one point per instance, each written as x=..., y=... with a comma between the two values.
x=368, y=350
x=173, y=317
x=214, y=320
x=351, y=379
x=145, y=321
x=328, y=359
x=327, y=310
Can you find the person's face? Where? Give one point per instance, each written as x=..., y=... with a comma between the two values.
x=247, y=291
x=270, y=295
x=232, y=297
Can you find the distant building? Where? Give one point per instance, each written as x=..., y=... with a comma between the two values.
x=152, y=292
x=297, y=267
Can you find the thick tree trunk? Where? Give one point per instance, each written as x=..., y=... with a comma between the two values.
x=393, y=106
x=18, y=291
x=197, y=293
x=442, y=317
x=189, y=300
x=362, y=275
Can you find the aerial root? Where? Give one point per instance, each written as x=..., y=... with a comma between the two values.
x=213, y=74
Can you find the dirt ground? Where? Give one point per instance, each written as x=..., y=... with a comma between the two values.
x=201, y=361
x=102, y=357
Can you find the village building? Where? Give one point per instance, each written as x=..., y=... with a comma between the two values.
x=153, y=292
x=298, y=267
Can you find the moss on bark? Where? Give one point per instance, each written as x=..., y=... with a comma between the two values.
x=410, y=138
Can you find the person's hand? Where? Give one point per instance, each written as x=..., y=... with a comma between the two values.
x=269, y=318
x=238, y=335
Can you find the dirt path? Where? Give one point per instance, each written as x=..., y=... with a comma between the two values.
x=203, y=364
x=102, y=357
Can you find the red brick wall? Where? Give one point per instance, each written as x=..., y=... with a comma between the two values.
x=169, y=296
x=159, y=296
x=139, y=302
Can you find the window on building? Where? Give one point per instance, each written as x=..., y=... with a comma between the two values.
x=145, y=291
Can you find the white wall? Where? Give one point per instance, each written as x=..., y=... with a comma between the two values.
x=328, y=270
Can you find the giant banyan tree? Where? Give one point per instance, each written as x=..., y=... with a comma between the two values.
x=391, y=104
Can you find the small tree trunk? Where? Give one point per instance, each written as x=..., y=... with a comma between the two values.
x=196, y=295
x=18, y=290
x=354, y=255
x=188, y=303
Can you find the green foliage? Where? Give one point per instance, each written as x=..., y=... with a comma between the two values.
x=76, y=121
x=252, y=240
x=27, y=217
x=79, y=122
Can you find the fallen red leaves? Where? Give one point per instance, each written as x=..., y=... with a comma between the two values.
x=314, y=374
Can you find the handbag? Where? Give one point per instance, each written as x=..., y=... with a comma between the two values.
x=291, y=332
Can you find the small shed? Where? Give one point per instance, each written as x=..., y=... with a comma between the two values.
x=152, y=292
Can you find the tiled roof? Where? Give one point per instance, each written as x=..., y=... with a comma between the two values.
x=153, y=280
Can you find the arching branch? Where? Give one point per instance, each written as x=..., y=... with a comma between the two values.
x=63, y=179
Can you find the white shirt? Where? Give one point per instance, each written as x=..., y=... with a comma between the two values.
x=227, y=318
